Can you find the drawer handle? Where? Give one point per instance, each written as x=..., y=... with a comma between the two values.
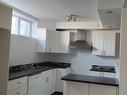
x=18, y=93
x=18, y=82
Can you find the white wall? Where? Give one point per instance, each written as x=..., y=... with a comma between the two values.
x=23, y=50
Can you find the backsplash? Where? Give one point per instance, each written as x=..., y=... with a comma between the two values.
x=82, y=60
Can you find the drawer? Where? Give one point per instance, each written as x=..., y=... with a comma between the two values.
x=19, y=91
x=17, y=83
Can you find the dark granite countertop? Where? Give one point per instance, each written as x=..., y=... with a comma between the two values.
x=28, y=70
x=91, y=79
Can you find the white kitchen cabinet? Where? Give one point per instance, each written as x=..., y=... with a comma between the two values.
x=42, y=84
x=76, y=88
x=5, y=17
x=17, y=86
x=53, y=81
x=41, y=39
x=52, y=42
x=104, y=43
x=49, y=78
x=95, y=89
x=47, y=41
x=59, y=74
x=20, y=91
x=36, y=85
x=65, y=40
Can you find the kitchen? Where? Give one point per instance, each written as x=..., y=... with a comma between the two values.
x=85, y=51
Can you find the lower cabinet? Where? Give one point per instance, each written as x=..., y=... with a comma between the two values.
x=35, y=85
x=42, y=84
x=19, y=91
x=78, y=88
x=17, y=86
x=59, y=74
x=102, y=90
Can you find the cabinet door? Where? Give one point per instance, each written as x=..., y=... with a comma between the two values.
x=19, y=91
x=49, y=41
x=48, y=81
x=109, y=43
x=76, y=88
x=53, y=81
x=97, y=42
x=102, y=90
x=59, y=83
x=56, y=42
x=5, y=17
x=53, y=42
x=65, y=39
x=41, y=39
x=36, y=85
x=59, y=74
x=17, y=83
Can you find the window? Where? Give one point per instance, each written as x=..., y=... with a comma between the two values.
x=21, y=26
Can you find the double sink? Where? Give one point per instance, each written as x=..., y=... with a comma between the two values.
x=32, y=69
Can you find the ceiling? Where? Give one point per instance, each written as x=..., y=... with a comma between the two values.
x=57, y=10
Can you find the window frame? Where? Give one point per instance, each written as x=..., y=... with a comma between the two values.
x=19, y=25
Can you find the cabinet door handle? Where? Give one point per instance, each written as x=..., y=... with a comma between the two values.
x=50, y=50
x=36, y=77
x=18, y=93
x=102, y=52
x=18, y=82
x=47, y=79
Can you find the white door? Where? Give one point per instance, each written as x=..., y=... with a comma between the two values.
x=97, y=42
x=65, y=39
x=109, y=43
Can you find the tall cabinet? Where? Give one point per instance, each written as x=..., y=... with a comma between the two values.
x=104, y=42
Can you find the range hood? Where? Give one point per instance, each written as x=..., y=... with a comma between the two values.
x=78, y=39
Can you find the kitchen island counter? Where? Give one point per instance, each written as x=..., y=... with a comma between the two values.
x=91, y=79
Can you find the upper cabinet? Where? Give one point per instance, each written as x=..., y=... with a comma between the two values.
x=65, y=40
x=52, y=42
x=41, y=39
x=5, y=17
x=78, y=25
x=104, y=42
